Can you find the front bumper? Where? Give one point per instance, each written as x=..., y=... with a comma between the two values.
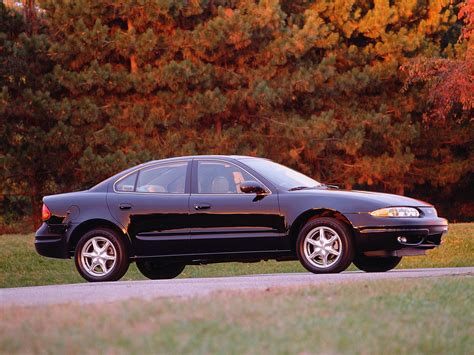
x=51, y=241
x=398, y=236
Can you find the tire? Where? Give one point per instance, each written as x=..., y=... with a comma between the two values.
x=156, y=270
x=91, y=258
x=376, y=264
x=319, y=255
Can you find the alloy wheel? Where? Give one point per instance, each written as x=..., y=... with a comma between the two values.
x=98, y=256
x=322, y=247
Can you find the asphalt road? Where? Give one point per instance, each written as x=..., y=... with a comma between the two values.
x=122, y=290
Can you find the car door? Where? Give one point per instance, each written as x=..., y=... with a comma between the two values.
x=152, y=205
x=226, y=220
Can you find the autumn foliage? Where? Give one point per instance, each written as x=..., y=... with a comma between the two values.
x=341, y=90
x=450, y=79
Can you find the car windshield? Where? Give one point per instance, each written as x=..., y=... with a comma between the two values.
x=280, y=175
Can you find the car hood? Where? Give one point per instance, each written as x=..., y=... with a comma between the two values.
x=354, y=201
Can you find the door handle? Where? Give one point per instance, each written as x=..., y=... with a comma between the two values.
x=202, y=206
x=125, y=206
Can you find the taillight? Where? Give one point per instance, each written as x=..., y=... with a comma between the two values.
x=45, y=213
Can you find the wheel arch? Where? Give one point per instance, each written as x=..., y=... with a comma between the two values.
x=307, y=215
x=91, y=224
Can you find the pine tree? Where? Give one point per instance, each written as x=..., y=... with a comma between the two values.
x=312, y=84
x=315, y=85
x=27, y=154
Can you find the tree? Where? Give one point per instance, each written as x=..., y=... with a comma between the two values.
x=31, y=162
x=450, y=80
x=319, y=79
x=312, y=84
x=445, y=159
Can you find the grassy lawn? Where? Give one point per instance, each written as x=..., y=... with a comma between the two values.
x=21, y=266
x=423, y=316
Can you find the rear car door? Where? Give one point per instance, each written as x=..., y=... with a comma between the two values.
x=152, y=205
x=226, y=220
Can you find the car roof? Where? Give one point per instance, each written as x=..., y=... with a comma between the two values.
x=102, y=186
x=189, y=157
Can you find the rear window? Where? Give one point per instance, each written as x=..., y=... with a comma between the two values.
x=166, y=178
x=127, y=184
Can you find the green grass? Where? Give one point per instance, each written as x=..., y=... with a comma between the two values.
x=415, y=316
x=21, y=266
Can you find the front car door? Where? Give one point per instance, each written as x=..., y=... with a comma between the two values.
x=226, y=220
x=152, y=205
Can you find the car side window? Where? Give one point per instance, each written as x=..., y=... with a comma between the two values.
x=220, y=177
x=169, y=178
x=127, y=184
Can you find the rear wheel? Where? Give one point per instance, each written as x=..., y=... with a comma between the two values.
x=376, y=264
x=324, y=245
x=101, y=255
x=156, y=270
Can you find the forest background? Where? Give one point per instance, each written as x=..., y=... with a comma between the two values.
x=375, y=95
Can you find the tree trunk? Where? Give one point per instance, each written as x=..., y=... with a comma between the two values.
x=401, y=190
x=29, y=11
x=218, y=126
x=36, y=203
x=133, y=58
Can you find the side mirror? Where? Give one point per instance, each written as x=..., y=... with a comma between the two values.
x=252, y=187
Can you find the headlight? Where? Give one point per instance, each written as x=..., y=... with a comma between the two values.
x=396, y=212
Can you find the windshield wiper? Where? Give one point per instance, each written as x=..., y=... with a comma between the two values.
x=296, y=188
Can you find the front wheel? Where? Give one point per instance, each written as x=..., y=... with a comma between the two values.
x=376, y=264
x=101, y=255
x=156, y=270
x=325, y=245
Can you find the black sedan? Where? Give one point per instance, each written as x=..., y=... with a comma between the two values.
x=170, y=213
